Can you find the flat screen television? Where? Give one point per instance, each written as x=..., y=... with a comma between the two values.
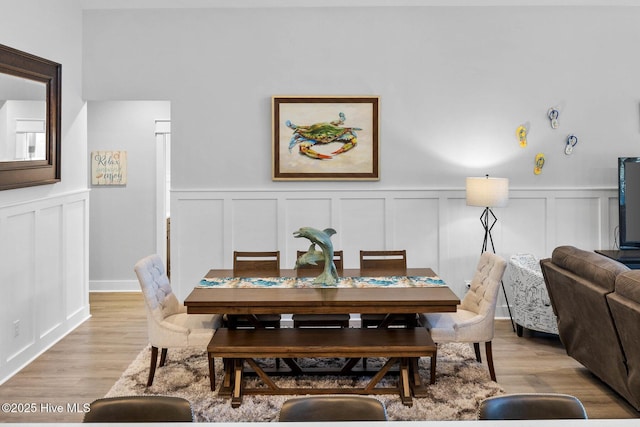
x=629, y=202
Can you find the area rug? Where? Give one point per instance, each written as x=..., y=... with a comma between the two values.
x=461, y=384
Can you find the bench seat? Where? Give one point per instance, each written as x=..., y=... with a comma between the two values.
x=399, y=345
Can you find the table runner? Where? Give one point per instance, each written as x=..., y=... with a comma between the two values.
x=307, y=282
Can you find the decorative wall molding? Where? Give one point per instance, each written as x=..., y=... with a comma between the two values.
x=434, y=225
x=44, y=275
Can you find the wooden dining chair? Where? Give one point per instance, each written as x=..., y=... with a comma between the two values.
x=392, y=262
x=255, y=264
x=312, y=320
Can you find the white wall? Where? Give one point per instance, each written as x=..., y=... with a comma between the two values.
x=454, y=82
x=123, y=218
x=44, y=229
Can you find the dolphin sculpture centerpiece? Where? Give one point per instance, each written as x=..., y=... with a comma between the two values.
x=322, y=238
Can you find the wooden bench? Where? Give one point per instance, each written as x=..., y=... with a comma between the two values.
x=400, y=346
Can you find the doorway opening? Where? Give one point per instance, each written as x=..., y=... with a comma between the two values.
x=163, y=191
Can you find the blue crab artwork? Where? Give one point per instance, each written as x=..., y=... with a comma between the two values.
x=323, y=133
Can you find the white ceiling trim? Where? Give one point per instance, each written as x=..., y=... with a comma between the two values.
x=197, y=4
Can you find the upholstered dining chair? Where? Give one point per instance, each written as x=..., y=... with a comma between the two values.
x=531, y=406
x=139, y=409
x=332, y=408
x=306, y=320
x=473, y=322
x=393, y=262
x=255, y=264
x=168, y=323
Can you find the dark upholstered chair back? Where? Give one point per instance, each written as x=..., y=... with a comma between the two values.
x=333, y=408
x=139, y=409
x=534, y=406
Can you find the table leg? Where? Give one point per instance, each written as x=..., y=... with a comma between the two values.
x=225, y=387
x=212, y=371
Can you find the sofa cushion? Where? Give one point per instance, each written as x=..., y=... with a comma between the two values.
x=595, y=268
x=628, y=285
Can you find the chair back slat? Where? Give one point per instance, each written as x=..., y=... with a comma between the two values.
x=267, y=262
x=392, y=262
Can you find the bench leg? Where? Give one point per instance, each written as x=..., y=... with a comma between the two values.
x=236, y=397
x=405, y=389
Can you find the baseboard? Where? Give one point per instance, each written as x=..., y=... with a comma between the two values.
x=114, y=286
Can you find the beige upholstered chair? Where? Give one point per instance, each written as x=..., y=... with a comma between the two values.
x=168, y=323
x=473, y=322
x=333, y=408
x=139, y=409
x=304, y=320
x=531, y=406
x=393, y=262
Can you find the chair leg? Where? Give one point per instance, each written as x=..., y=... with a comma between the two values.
x=152, y=367
x=476, y=348
x=163, y=357
x=487, y=349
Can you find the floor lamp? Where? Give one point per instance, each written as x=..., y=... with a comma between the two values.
x=489, y=193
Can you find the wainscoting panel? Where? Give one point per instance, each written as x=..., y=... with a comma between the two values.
x=316, y=213
x=205, y=230
x=363, y=225
x=436, y=227
x=255, y=225
x=577, y=221
x=19, y=289
x=44, y=276
x=49, y=284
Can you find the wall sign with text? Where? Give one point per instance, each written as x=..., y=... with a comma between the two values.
x=108, y=167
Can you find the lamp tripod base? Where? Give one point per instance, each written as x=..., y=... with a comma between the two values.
x=488, y=220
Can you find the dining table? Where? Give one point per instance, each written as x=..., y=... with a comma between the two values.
x=418, y=290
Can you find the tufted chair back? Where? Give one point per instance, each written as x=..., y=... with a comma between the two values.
x=160, y=300
x=482, y=296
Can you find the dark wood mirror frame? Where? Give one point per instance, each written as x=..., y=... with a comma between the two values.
x=16, y=174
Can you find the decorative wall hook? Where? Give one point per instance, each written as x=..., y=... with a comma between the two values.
x=572, y=140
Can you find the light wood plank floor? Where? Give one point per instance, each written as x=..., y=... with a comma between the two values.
x=84, y=365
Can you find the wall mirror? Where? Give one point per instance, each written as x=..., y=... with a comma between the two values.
x=30, y=109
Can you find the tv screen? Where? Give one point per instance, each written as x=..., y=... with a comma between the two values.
x=629, y=202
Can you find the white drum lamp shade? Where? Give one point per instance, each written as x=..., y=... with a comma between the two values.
x=487, y=192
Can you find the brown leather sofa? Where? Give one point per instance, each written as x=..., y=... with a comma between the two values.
x=597, y=302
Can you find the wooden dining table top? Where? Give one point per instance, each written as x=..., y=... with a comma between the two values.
x=320, y=300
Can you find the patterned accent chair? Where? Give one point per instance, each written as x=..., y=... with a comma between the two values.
x=168, y=323
x=473, y=322
x=532, y=306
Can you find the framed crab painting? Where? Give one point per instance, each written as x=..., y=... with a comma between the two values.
x=325, y=137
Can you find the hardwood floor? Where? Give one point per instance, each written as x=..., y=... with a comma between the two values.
x=84, y=365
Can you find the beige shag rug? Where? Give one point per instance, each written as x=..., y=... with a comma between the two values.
x=461, y=384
